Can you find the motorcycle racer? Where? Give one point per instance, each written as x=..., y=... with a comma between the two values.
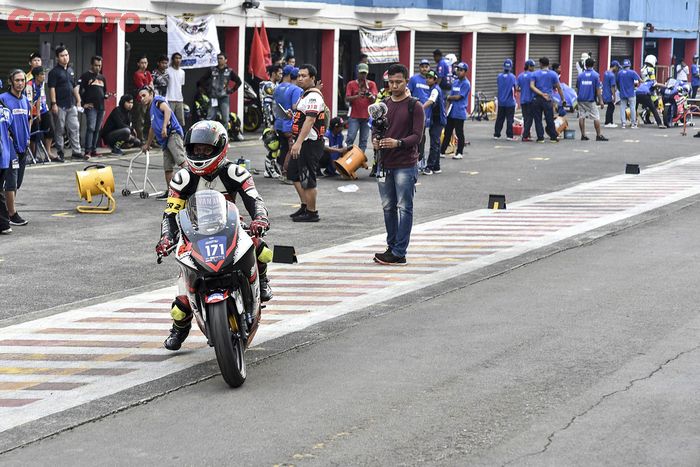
x=207, y=168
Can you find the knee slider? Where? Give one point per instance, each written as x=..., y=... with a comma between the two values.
x=265, y=255
x=180, y=310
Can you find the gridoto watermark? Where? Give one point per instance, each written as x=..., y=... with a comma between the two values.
x=89, y=20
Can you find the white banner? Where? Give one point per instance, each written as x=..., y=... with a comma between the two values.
x=195, y=40
x=380, y=45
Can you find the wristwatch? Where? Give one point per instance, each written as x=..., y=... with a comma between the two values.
x=400, y=143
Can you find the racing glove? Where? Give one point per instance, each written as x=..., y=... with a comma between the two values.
x=259, y=226
x=163, y=247
x=168, y=236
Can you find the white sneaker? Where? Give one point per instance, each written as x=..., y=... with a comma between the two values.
x=496, y=137
x=458, y=156
x=443, y=156
x=611, y=125
x=634, y=126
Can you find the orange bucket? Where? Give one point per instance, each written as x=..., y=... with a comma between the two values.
x=350, y=162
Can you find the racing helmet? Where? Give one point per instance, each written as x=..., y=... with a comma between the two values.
x=451, y=59
x=213, y=134
x=651, y=60
x=270, y=139
x=268, y=88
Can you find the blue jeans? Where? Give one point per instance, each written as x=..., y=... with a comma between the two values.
x=632, y=103
x=434, y=155
x=355, y=124
x=397, y=191
x=94, y=123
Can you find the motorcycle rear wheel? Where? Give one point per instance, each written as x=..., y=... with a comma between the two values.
x=227, y=346
x=252, y=119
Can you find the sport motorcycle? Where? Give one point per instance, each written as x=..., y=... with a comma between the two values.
x=219, y=270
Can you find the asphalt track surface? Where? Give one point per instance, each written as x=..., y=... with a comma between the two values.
x=582, y=353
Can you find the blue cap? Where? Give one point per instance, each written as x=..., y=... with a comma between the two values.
x=287, y=70
x=294, y=73
x=462, y=66
x=615, y=63
x=529, y=62
x=424, y=62
x=508, y=64
x=626, y=63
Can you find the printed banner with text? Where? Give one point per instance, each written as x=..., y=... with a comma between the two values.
x=196, y=40
x=380, y=45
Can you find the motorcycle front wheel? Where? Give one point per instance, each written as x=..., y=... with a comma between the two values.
x=252, y=119
x=227, y=345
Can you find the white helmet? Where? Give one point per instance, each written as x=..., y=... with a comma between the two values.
x=584, y=56
x=651, y=60
x=451, y=59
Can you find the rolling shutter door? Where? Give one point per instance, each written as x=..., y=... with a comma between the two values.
x=491, y=51
x=426, y=42
x=621, y=48
x=16, y=49
x=587, y=44
x=544, y=45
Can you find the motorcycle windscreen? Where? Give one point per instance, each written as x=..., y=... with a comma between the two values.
x=207, y=212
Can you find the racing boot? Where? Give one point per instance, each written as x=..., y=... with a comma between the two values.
x=182, y=323
x=265, y=289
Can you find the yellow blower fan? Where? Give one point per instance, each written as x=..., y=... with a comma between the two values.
x=96, y=180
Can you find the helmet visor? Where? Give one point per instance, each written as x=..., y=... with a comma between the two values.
x=200, y=152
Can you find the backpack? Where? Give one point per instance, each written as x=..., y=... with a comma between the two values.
x=411, y=106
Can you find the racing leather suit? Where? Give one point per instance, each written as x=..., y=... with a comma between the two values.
x=230, y=179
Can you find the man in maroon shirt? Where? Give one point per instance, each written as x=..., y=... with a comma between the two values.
x=397, y=170
x=360, y=94
x=142, y=77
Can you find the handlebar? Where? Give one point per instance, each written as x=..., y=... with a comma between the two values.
x=160, y=257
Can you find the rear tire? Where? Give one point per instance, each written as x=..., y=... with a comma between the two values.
x=252, y=119
x=229, y=348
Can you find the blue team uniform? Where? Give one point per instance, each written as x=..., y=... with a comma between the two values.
x=157, y=122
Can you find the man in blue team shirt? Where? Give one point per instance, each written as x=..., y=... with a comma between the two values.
x=435, y=120
x=543, y=82
x=442, y=69
x=8, y=160
x=589, y=97
x=609, y=89
x=291, y=97
x=627, y=80
x=457, y=104
x=16, y=100
x=526, y=97
x=167, y=131
x=280, y=109
x=695, y=75
x=334, y=146
x=506, y=83
x=419, y=88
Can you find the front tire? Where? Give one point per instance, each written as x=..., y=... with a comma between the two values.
x=228, y=347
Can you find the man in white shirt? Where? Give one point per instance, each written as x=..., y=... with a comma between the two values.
x=682, y=71
x=308, y=129
x=176, y=79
